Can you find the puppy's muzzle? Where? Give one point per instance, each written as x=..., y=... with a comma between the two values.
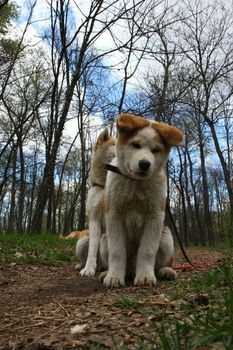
x=144, y=165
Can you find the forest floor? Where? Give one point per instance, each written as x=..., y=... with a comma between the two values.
x=52, y=307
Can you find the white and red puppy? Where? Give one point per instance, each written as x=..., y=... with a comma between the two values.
x=135, y=203
x=87, y=248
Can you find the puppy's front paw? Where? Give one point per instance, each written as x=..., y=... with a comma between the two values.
x=78, y=266
x=88, y=271
x=102, y=276
x=142, y=280
x=166, y=273
x=113, y=281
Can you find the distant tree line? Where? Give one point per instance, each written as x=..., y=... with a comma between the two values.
x=170, y=63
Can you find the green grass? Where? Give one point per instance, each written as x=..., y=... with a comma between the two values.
x=202, y=317
x=201, y=305
x=212, y=327
x=205, y=319
x=134, y=303
x=35, y=249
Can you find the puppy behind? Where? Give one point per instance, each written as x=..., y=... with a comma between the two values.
x=135, y=202
x=103, y=153
x=75, y=234
x=102, y=254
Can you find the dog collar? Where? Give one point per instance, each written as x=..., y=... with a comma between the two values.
x=97, y=184
x=114, y=169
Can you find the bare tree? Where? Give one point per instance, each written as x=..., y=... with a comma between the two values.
x=100, y=19
x=208, y=48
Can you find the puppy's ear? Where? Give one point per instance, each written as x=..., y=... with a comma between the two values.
x=130, y=122
x=103, y=136
x=170, y=135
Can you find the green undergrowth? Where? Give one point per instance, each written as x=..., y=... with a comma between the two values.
x=41, y=249
x=195, y=313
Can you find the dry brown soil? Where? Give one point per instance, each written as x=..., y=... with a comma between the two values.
x=39, y=306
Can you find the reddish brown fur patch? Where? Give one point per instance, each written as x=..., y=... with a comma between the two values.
x=131, y=122
x=76, y=234
x=84, y=233
x=162, y=147
x=171, y=135
x=128, y=123
x=108, y=142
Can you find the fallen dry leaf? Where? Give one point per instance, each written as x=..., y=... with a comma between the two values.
x=18, y=255
x=79, y=328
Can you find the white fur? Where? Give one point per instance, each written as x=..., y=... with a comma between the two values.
x=137, y=242
x=82, y=252
x=95, y=214
x=104, y=151
x=135, y=211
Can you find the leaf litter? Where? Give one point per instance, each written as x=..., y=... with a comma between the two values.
x=52, y=307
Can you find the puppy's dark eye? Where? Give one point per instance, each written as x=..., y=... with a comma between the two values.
x=155, y=150
x=136, y=145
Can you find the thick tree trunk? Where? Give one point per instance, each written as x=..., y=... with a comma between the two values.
x=48, y=178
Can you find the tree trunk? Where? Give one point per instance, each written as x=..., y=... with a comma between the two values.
x=21, y=190
x=199, y=232
x=83, y=192
x=12, y=216
x=206, y=199
x=226, y=173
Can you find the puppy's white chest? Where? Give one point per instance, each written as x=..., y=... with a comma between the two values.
x=134, y=220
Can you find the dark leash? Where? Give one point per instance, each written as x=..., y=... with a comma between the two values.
x=175, y=230
x=116, y=170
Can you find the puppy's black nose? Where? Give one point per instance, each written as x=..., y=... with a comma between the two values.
x=144, y=165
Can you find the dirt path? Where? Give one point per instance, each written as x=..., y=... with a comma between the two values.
x=39, y=306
